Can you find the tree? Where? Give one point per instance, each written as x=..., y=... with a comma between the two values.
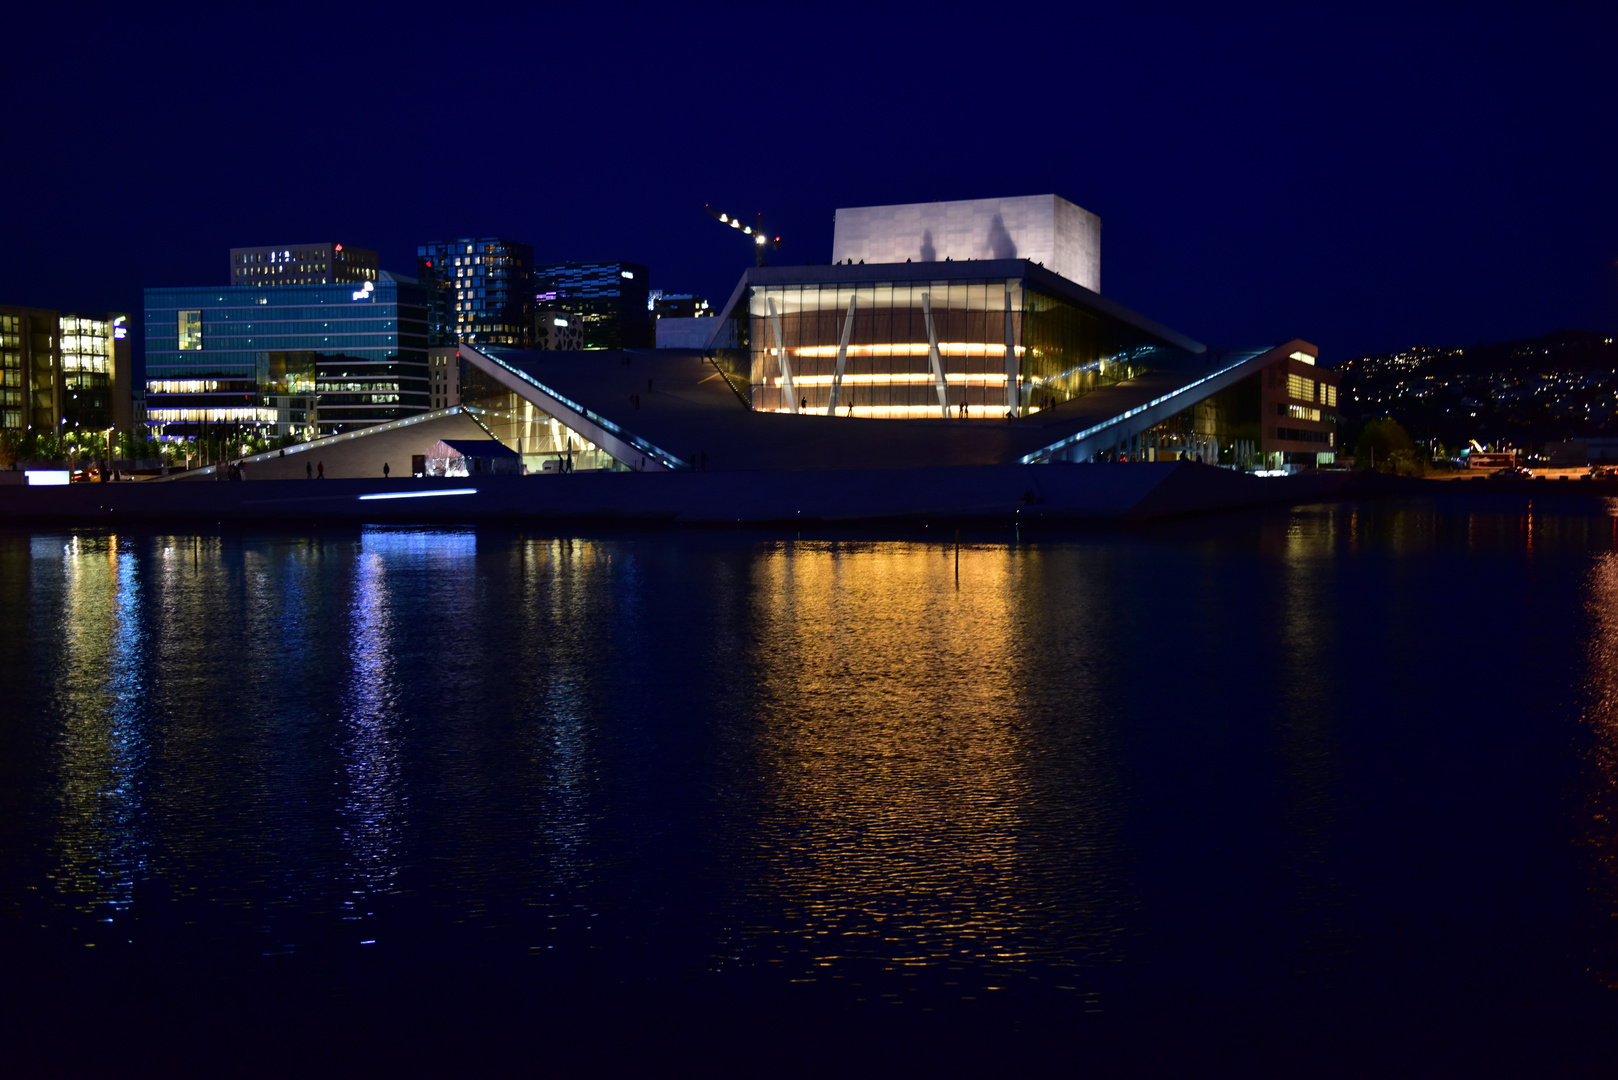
x=1385, y=446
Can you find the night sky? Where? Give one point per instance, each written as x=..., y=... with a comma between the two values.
x=1365, y=180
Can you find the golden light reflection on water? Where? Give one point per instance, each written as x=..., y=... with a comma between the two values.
x=897, y=769
x=1305, y=648
x=99, y=697
x=1601, y=810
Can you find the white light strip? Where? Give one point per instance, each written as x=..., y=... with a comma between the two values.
x=419, y=494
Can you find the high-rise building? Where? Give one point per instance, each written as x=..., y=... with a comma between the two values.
x=273, y=358
x=63, y=371
x=482, y=291
x=610, y=297
x=302, y=264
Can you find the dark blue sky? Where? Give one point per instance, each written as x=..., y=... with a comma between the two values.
x=1365, y=179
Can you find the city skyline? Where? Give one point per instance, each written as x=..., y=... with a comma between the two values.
x=1371, y=182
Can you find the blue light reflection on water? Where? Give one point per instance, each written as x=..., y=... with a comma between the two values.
x=1252, y=765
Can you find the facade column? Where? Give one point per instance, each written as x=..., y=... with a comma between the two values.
x=842, y=358
x=1013, y=391
x=934, y=357
x=789, y=393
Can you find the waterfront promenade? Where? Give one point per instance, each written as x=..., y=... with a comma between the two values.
x=984, y=494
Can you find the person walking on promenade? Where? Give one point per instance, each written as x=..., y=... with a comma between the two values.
x=384, y=470
x=320, y=470
x=308, y=470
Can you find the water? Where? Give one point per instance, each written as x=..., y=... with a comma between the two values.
x=1329, y=790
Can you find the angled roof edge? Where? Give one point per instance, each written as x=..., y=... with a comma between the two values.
x=1133, y=421
x=871, y=273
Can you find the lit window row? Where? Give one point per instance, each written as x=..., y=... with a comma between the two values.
x=212, y=416
x=181, y=386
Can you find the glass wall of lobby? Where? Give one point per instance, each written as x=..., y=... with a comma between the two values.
x=544, y=443
x=1058, y=351
x=1222, y=429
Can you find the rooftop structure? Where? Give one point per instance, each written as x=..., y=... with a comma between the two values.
x=1043, y=229
x=302, y=264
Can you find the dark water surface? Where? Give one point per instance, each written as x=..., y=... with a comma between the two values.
x=1328, y=790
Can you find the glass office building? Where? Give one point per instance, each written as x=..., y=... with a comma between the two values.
x=482, y=291
x=63, y=371
x=611, y=298
x=277, y=358
x=976, y=339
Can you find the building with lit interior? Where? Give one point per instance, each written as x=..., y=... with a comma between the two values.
x=611, y=298
x=982, y=355
x=275, y=358
x=302, y=264
x=482, y=291
x=64, y=371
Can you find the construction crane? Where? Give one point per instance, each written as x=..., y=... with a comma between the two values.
x=762, y=241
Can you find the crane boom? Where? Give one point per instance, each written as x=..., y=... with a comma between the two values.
x=762, y=240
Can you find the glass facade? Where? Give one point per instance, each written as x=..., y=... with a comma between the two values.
x=360, y=355
x=13, y=375
x=60, y=371
x=962, y=348
x=482, y=291
x=543, y=442
x=87, y=367
x=611, y=298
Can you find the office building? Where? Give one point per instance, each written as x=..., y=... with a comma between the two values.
x=443, y=376
x=482, y=291
x=302, y=264
x=610, y=297
x=64, y=371
x=275, y=358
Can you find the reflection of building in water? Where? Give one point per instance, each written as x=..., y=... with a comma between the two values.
x=373, y=807
x=896, y=768
x=102, y=694
x=1304, y=649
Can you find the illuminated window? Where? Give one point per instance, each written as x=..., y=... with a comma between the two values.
x=190, y=328
x=1300, y=387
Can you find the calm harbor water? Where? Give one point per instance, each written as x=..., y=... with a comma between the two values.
x=1325, y=789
